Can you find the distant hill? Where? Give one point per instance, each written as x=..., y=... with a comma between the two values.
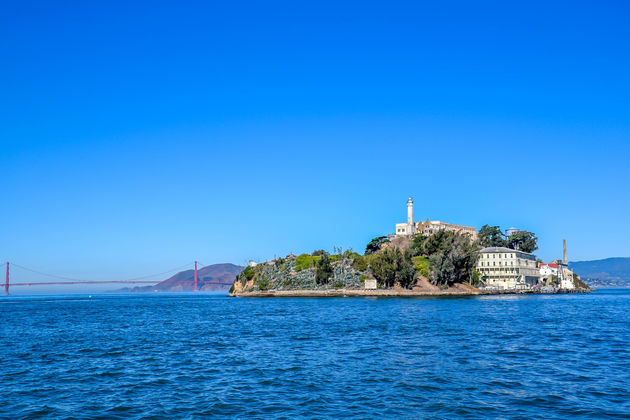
x=610, y=272
x=184, y=280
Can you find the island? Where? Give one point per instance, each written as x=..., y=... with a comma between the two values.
x=421, y=259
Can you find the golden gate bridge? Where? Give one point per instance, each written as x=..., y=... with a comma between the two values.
x=61, y=280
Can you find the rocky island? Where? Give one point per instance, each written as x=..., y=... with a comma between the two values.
x=445, y=263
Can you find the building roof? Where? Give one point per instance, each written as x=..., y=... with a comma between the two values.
x=549, y=264
x=501, y=249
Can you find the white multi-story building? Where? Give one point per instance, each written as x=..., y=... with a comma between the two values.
x=505, y=268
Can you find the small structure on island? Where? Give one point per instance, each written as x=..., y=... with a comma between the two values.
x=558, y=270
x=511, y=231
x=370, y=283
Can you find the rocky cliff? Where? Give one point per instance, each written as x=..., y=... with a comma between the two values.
x=299, y=273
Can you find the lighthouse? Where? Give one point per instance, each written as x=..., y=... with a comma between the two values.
x=411, y=227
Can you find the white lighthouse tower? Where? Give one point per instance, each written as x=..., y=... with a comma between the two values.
x=411, y=227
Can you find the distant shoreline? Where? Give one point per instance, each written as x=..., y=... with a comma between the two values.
x=394, y=293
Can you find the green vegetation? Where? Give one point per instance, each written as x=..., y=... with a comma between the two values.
x=493, y=236
x=444, y=258
x=450, y=257
x=324, y=270
x=305, y=261
x=577, y=282
x=246, y=275
x=476, y=279
x=263, y=284
x=421, y=265
x=391, y=266
x=375, y=244
x=523, y=241
x=359, y=262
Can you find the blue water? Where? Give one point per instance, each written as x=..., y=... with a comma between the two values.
x=185, y=356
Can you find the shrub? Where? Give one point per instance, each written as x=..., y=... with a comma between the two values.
x=375, y=244
x=337, y=285
x=231, y=289
x=248, y=273
x=263, y=284
x=417, y=244
x=577, y=282
x=303, y=262
x=359, y=262
x=349, y=254
x=421, y=265
x=289, y=282
x=324, y=270
x=476, y=280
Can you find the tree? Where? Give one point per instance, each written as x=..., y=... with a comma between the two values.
x=491, y=236
x=417, y=244
x=375, y=244
x=324, y=270
x=390, y=266
x=476, y=278
x=523, y=241
x=318, y=253
x=452, y=257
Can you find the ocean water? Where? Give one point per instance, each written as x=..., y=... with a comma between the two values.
x=187, y=356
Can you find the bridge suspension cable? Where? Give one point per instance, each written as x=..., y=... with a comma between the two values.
x=71, y=280
x=118, y=281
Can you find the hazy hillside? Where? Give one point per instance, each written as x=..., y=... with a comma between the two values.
x=610, y=272
x=184, y=280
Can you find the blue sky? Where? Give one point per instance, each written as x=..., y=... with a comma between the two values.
x=139, y=137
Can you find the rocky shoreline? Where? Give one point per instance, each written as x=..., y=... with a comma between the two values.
x=395, y=293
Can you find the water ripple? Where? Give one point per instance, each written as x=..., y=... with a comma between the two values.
x=205, y=356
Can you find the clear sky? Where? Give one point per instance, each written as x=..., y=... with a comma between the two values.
x=135, y=137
